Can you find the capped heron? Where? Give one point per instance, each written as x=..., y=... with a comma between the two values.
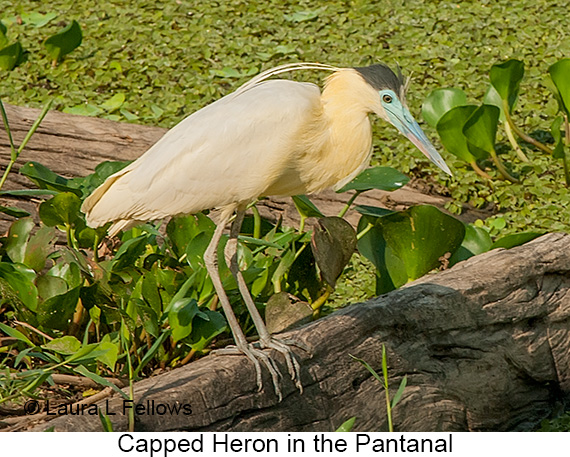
x=269, y=137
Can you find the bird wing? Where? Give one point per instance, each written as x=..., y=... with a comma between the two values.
x=229, y=152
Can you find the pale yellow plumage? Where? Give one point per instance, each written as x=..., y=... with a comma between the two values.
x=278, y=137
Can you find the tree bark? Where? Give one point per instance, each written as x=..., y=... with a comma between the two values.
x=485, y=346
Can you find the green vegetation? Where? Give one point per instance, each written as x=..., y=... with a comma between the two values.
x=148, y=304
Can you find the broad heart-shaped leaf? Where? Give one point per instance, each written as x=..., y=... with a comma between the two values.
x=180, y=317
x=64, y=345
x=383, y=178
x=440, y=101
x=129, y=252
x=62, y=209
x=492, y=97
x=11, y=56
x=559, y=73
x=65, y=41
x=390, y=271
x=558, y=152
x=481, y=128
x=44, y=178
x=420, y=235
x=506, y=79
x=56, y=312
x=21, y=284
x=17, y=239
x=306, y=207
x=450, y=130
x=516, y=239
x=205, y=327
x=89, y=183
x=333, y=244
x=476, y=241
x=283, y=312
x=39, y=247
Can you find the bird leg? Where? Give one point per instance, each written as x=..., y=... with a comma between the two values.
x=265, y=338
x=255, y=355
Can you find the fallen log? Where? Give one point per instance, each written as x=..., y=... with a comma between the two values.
x=485, y=346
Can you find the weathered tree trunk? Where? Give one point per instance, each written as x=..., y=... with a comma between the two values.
x=74, y=145
x=485, y=346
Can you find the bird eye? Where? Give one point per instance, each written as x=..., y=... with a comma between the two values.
x=387, y=98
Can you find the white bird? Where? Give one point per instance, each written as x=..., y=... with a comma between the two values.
x=269, y=137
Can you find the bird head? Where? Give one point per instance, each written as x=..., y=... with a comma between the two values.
x=390, y=105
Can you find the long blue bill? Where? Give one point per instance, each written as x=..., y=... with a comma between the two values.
x=406, y=124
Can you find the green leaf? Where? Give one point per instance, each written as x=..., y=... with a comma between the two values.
x=129, y=252
x=56, y=312
x=12, y=332
x=481, y=128
x=516, y=239
x=100, y=380
x=62, y=209
x=383, y=178
x=109, y=355
x=89, y=183
x=13, y=211
x=83, y=109
x=196, y=249
x=114, y=103
x=39, y=247
x=304, y=16
x=390, y=271
x=28, y=192
x=21, y=284
x=450, y=130
x=399, y=392
x=347, y=425
x=44, y=178
x=205, y=327
x=37, y=19
x=369, y=368
x=17, y=239
x=372, y=211
x=559, y=74
x=492, y=97
x=333, y=244
x=63, y=42
x=180, y=317
x=181, y=230
x=283, y=312
x=306, y=207
x=420, y=235
x=11, y=56
x=440, y=101
x=476, y=241
x=506, y=79
x=64, y=345
x=50, y=286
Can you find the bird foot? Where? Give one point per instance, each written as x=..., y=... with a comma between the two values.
x=284, y=347
x=256, y=355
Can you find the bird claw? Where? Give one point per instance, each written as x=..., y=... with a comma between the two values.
x=284, y=347
x=255, y=355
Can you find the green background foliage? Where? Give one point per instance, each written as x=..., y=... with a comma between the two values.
x=155, y=62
